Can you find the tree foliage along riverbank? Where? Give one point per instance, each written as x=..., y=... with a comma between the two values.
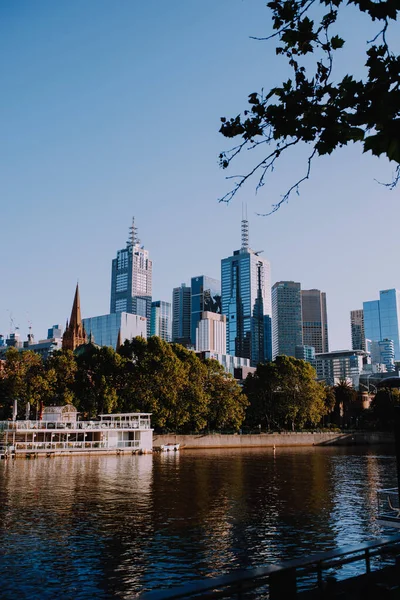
x=183, y=393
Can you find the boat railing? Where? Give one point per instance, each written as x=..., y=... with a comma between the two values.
x=388, y=504
x=71, y=445
x=75, y=425
x=285, y=580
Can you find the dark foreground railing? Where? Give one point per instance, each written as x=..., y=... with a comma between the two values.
x=283, y=580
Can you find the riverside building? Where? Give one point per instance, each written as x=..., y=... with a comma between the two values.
x=131, y=279
x=246, y=302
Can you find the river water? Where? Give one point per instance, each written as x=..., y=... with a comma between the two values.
x=111, y=527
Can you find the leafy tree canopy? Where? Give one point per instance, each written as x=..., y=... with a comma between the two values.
x=312, y=106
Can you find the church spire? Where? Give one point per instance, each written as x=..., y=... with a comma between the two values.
x=74, y=334
x=76, y=319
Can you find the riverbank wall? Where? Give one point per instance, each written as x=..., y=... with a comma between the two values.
x=269, y=440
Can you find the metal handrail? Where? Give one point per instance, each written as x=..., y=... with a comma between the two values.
x=77, y=425
x=258, y=576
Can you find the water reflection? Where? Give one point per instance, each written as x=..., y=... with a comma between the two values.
x=104, y=527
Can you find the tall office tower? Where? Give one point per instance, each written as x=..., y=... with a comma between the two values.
x=246, y=301
x=211, y=333
x=181, y=312
x=131, y=279
x=315, y=320
x=357, y=329
x=287, y=326
x=161, y=324
x=382, y=319
x=206, y=297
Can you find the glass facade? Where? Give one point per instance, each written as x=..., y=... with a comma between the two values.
x=161, y=324
x=315, y=320
x=105, y=328
x=287, y=324
x=381, y=319
x=131, y=280
x=246, y=300
x=205, y=297
x=306, y=353
x=357, y=329
x=181, y=313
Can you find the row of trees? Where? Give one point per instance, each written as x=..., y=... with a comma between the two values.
x=183, y=393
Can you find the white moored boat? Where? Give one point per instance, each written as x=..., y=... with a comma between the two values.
x=60, y=432
x=169, y=447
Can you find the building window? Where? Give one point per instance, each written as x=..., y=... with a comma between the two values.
x=121, y=305
x=122, y=282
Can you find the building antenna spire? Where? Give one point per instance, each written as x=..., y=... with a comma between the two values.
x=133, y=237
x=245, y=227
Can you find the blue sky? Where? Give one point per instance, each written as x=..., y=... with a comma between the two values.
x=111, y=109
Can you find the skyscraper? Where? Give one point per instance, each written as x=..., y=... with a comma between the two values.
x=211, y=333
x=246, y=301
x=315, y=320
x=131, y=279
x=287, y=326
x=206, y=297
x=181, y=313
x=382, y=319
x=161, y=324
x=357, y=329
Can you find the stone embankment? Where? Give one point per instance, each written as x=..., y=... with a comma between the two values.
x=269, y=440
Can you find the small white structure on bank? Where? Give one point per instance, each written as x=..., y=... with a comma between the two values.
x=60, y=432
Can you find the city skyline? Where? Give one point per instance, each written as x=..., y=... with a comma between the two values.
x=85, y=91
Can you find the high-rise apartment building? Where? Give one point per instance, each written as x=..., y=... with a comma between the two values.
x=287, y=326
x=181, y=314
x=161, y=324
x=246, y=301
x=357, y=329
x=206, y=297
x=382, y=319
x=382, y=353
x=315, y=320
x=211, y=333
x=131, y=279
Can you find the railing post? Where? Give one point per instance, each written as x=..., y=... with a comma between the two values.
x=282, y=584
x=367, y=561
x=397, y=444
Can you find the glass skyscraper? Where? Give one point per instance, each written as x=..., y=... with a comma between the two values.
x=382, y=319
x=181, y=313
x=246, y=301
x=357, y=329
x=287, y=325
x=315, y=320
x=206, y=297
x=161, y=324
x=131, y=279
